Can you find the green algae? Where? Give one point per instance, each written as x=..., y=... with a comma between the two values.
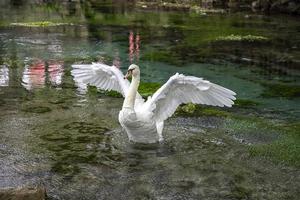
x=266, y=138
x=245, y=103
x=93, y=91
x=194, y=110
x=285, y=150
x=145, y=89
x=35, y=109
x=166, y=56
x=281, y=90
x=76, y=143
x=2, y=102
x=148, y=89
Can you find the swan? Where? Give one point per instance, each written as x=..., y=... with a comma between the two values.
x=143, y=120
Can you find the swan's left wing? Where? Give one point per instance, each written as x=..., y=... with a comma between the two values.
x=100, y=75
x=186, y=89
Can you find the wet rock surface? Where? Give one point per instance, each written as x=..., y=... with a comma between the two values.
x=23, y=193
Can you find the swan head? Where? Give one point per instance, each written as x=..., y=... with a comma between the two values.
x=133, y=70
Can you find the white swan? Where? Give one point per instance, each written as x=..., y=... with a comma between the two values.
x=144, y=120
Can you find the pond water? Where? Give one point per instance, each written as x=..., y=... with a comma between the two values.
x=53, y=134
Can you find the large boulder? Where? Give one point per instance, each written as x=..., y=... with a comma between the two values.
x=286, y=6
x=277, y=6
x=261, y=5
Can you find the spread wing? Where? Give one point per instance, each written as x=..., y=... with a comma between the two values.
x=186, y=89
x=100, y=75
x=104, y=77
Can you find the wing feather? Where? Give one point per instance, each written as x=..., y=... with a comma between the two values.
x=185, y=89
x=100, y=75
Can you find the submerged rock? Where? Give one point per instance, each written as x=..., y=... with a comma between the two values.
x=36, y=109
x=280, y=6
x=23, y=193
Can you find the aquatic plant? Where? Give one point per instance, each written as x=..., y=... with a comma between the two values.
x=245, y=103
x=145, y=90
x=285, y=150
x=38, y=24
x=281, y=90
x=193, y=110
x=247, y=38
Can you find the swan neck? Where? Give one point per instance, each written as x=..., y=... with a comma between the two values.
x=131, y=95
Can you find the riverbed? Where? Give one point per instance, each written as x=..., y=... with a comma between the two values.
x=56, y=135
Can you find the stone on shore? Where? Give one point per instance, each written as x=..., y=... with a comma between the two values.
x=23, y=193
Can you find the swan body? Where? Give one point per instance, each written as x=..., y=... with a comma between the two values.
x=143, y=120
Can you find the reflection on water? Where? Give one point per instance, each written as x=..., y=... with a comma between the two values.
x=37, y=74
x=134, y=47
x=55, y=70
x=4, y=75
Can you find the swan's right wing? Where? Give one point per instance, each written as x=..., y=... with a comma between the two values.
x=186, y=89
x=100, y=75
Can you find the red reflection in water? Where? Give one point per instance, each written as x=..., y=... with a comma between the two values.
x=134, y=47
x=35, y=75
x=55, y=70
x=117, y=60
x=137, y=46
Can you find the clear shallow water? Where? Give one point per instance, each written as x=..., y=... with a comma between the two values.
x=54, y=135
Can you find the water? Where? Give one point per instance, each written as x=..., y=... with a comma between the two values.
x=53, y=134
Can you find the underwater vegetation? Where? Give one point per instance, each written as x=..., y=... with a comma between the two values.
x=281, y=90
x=39, y=24
x=248, y=38
x=285, y=150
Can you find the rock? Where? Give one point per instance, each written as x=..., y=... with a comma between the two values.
x=278, y=6
x=286, y=6
x=23, y=193
x=261, y=5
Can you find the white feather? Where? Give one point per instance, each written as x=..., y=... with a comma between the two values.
x=186, y=89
